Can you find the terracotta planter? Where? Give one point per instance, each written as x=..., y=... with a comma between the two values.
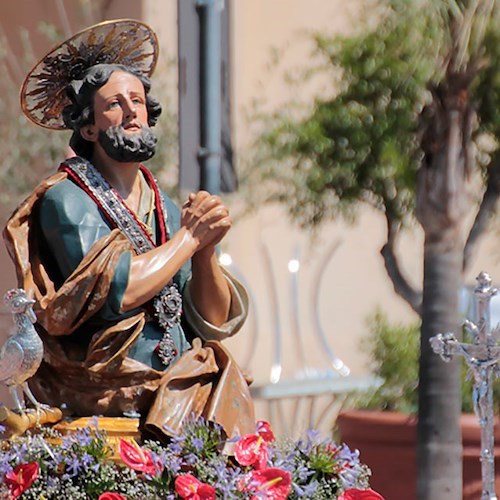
x=387, y=444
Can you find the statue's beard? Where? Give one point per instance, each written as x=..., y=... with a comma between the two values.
x=128, y=147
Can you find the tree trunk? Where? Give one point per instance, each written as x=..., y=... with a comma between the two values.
x=439, y=451
x=442, y=203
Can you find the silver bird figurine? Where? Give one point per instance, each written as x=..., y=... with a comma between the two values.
x=22, y=353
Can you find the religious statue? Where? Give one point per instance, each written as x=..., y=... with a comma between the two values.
x=131, y=302
x=482, y=357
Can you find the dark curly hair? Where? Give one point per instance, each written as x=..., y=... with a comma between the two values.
x=81, y=110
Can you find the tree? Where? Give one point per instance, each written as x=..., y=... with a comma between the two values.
x=411, y=129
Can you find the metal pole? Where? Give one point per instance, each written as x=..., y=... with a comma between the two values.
x=210, y=90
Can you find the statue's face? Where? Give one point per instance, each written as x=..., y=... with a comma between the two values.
x=121, y=101
x=120, y=130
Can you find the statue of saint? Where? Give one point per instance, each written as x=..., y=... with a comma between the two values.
x=131, y=301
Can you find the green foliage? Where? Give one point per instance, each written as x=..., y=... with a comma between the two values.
x=363, y=144
x=323, y=460
x=28, y=152
x=203, y=439
x=315, y=465
x=486, y=89
x=394, y=352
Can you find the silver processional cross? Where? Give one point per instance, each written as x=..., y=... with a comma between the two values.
x=482, y=358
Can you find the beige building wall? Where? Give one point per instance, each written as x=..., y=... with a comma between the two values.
x=270, y=37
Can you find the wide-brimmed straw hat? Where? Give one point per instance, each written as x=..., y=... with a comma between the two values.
x=122, y=41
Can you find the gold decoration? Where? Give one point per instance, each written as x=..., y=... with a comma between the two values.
x=116, y=428
x=123, y=41
x=17, y=424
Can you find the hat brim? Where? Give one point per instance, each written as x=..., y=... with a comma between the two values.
x=123, y=41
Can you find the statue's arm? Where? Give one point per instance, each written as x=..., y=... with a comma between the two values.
x=236, y=317
x=70, y=225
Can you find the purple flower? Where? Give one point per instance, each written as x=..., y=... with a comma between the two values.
x=19, y=453
x=73, y=466
x=227, y=479
x=169, y=430
x=306, y=490
x=59, y=457
x=52, y=482
x=166, y=459
x=87, y=460
x=350, y=475
x=173, y=464
x=348, y=455
x=190, y=459
x=302, y=473
x=95, y=421
x=312, y=436
x=197, y=443
x=82, y=437
x=175, y=445
x=5, y=467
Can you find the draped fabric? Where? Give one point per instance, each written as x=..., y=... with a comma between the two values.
x=99, y=378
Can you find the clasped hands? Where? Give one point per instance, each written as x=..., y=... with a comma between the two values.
x=207, y=221
x=206, y=218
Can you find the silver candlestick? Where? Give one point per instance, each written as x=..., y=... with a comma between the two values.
x=482, y=359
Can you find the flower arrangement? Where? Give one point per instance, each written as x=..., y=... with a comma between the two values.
x=194, y=465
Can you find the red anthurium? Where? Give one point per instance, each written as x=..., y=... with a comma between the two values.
x=187, y=486
x=271, y=483
x=109, y=495
x=355, y=494
x=21, y=478
x=251, y=450
x=136, y=458
x=264, y=430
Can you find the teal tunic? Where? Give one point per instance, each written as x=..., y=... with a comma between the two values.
x=70, y=223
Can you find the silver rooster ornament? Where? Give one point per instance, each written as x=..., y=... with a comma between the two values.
x=21, y=354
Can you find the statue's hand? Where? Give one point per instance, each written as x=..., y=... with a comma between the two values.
x=206, y=218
